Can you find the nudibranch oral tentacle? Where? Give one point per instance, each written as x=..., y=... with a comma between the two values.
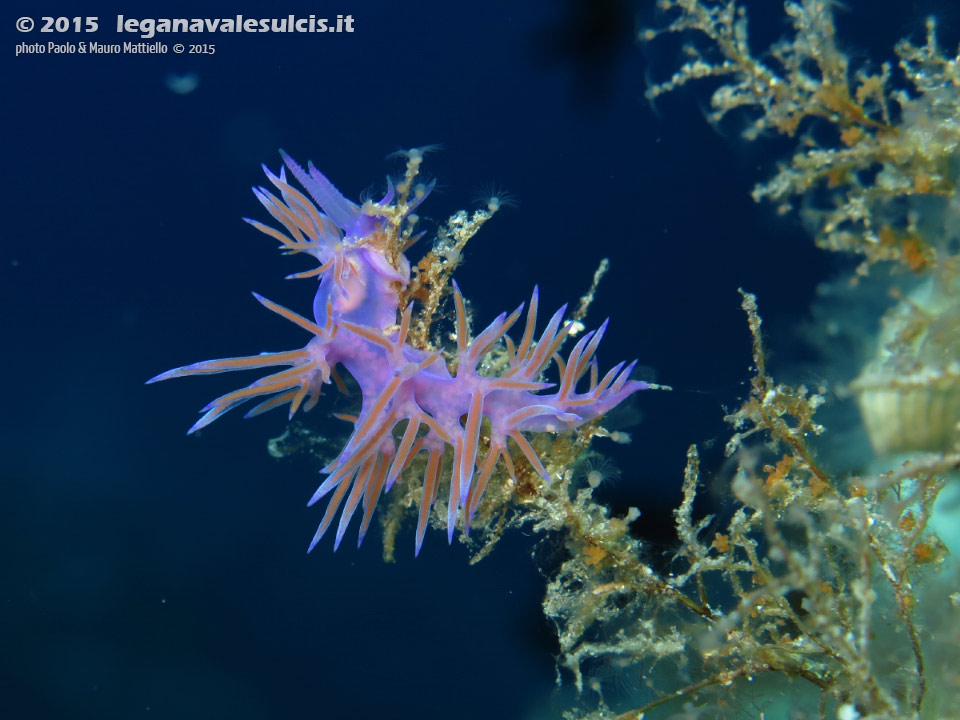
x=414, y=399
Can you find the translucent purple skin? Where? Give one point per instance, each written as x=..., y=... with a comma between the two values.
x=411, y=402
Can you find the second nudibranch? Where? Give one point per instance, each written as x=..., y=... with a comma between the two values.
x=411, y=400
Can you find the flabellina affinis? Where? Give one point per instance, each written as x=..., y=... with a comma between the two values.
x=415, y=398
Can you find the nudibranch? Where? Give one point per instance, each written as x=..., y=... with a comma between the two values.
x=414, y=398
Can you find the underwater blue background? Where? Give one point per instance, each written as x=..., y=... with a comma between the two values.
x=149, y=574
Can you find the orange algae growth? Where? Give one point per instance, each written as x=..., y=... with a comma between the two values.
x=804, y=86
x=794, y=584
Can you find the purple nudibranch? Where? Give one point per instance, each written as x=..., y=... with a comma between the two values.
x=411, y=401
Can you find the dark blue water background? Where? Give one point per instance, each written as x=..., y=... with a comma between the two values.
x=149, y=574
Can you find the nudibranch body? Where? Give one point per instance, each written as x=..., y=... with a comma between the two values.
x=414, y=398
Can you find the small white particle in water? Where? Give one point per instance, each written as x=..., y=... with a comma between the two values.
x=182, y=84
x=847, y=712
